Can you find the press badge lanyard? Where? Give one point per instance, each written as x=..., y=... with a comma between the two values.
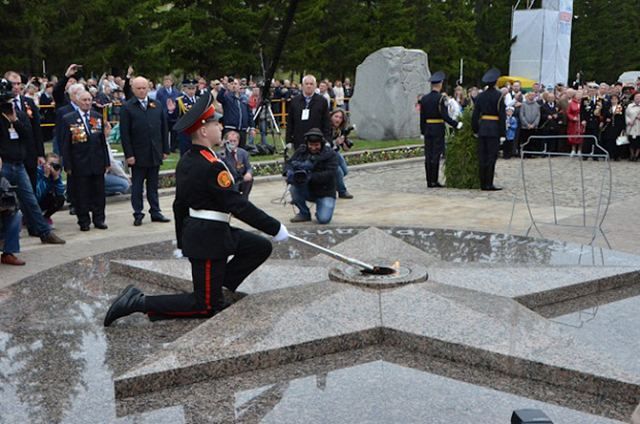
x=13, y=134
x=305, y=111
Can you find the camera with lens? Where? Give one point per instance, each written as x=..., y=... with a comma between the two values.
x=6, y=94
x=56, y=166
x=345, y=133
x=299, y=172
x=8, y=197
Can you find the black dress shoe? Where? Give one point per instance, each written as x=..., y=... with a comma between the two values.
x=160, y=218
x=84, y=228
x=130, y=300
x=492, y=188
x=100, y=225
x=137, y=222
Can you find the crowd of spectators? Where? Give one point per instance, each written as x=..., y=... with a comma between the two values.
x=75, y=111
x=588, y=113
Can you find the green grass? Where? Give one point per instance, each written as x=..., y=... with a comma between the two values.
x=359, y=144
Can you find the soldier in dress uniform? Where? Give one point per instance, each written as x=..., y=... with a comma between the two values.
x=205, y=201
x=433, y=114
x=488, y=122
x=184, y=103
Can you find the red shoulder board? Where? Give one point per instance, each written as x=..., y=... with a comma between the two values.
x=208, y=156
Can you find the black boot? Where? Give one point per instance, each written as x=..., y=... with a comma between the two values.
x=489, y=172
x=129, y=301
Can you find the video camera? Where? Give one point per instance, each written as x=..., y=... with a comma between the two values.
x=299, y=172
x=8, y=197
x=6, y=94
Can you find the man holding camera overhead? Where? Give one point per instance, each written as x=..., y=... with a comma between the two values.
x=311, y=172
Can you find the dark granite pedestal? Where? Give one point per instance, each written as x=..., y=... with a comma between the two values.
x=502, y=323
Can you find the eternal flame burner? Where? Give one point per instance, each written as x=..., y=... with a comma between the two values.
x=406, y=274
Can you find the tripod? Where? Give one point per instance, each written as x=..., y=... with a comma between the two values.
x=270, y=123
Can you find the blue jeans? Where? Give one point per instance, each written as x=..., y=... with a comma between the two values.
x=10, y=231
x=114, y=184
x=324, y=205
x=17, y=176
x=341, y=172
x=263, y=131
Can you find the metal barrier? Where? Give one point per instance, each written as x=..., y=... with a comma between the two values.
x=603, y=200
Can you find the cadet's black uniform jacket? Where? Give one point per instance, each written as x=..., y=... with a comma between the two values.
x=488, y=118
x=84, y=149
x=433, y=115
x=144, y=132
x=204, y=183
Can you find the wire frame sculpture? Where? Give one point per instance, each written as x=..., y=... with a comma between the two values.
x=604, y=189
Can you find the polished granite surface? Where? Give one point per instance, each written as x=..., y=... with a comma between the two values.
x=58, y=364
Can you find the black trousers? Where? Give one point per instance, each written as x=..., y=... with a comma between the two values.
x=433, y=149
x=209, y=276
x=139, y=175
x=51, y=203
x=487, y=155
x=89, y=197
x=245, y=188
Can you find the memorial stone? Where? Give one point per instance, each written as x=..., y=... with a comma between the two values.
x=388, y=84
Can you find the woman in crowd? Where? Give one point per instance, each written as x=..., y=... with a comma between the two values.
x=338, y=92
x=529, y=120
x=460, y=96
x=633, y=127
x=550, y=120
x=574, y=126
x=340, y=141
x=613, y=125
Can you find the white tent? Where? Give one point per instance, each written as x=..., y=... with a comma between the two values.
x=542, y=42
x=629, y=77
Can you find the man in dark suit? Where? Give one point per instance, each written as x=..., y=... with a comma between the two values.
x=433, y=115
x=237, y=160
x=84, y=148
x=35, y=149
x=143, y=128
x=306, y=111
x=488, y=122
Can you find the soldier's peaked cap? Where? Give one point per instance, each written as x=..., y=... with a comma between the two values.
x=437, y=77
x=189, y=81
x=314, y=134
x=491, y=76
x=199, y=114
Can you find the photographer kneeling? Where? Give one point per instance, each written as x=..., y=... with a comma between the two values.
x=10, y=223
x=311, y=171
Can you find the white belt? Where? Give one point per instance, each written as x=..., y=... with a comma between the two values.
x=210, y=215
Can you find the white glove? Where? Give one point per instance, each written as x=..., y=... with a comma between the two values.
x=177, y=253
x=459, y=126
x=421, y=136
x=282, y=235
x=502, y=139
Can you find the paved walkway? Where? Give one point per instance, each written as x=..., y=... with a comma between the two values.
x=393, y=194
